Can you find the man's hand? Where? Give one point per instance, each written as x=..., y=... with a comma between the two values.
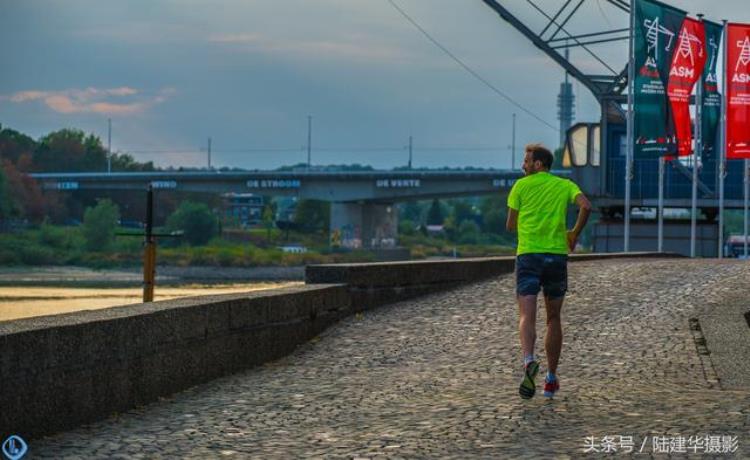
x=511, y=224
x=584, y=210
x=572, y=240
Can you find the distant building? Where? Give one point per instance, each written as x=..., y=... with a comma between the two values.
x=242, y=209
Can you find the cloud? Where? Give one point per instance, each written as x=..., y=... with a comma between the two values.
x=350, y=47
x=24, y=96
x=107, y=101
x=130, y=32
x=234, y=38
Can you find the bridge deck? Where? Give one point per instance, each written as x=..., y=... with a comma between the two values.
x=438, y=376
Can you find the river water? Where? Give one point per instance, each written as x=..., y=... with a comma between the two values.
x=25, y=301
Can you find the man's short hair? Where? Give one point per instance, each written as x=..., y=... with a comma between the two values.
x=541, y=153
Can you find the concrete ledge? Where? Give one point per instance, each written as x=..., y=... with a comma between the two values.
x=372, y=284
x=57, y=372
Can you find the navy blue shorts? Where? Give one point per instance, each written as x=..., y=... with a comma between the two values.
x=542, y=271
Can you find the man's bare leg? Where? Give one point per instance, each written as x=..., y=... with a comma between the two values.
x=527, y=332
x=553, y=337
x=527, y=323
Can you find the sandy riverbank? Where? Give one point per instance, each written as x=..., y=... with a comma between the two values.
x=39, y=291
x=82, y=276
x=27, y=301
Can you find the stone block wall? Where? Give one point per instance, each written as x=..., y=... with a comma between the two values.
x=57, y=372
x=61, y=371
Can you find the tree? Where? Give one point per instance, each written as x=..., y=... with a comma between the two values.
x=269, y=217
x=435, y=214
x=196, y=221
x=494, y=213
x=99, y=225
x=14, y=145
x=61, y=150
x=406, y=227
x=468, y=232
x=6, y=205
x=26, y=197
x=313, y=215
x=126, y=162
x=412, y=211
x=462, y=210
x=450, y=228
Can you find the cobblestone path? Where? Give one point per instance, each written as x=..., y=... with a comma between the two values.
x=438, y=377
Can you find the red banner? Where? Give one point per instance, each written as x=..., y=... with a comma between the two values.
x=688, y=61
x=738, y=91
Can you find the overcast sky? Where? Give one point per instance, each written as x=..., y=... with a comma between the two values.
x=247, y=73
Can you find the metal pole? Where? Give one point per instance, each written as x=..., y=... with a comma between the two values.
x=513, y=146
x=746, y=182
x=410, y=148
x=309, y=139
x=723, y=148
x=697, y=153
x=660, y=225
x=149, y=256
x=109, y=146
x=630, y=129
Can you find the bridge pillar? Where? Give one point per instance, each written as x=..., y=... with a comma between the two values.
x=364, y=225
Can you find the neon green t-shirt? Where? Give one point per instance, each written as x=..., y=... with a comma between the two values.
x=541, y=200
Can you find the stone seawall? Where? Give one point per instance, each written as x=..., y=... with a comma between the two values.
x=58, y=372
x=372, y=284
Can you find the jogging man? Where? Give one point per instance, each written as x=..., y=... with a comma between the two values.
x=537, y=206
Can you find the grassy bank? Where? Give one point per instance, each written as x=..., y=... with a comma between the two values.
x=57, y=245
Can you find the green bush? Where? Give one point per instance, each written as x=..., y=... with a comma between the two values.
x=226, y=257
x=99, y=225
x=435, y=215
x=32, y=254
x=200, y=257
x=8, y=257
x=132, y=245
x=468, y=232
x=196, y=221
x=56, y=237
x=406, y=227
x=313, y=215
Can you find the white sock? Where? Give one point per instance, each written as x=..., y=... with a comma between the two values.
x=527, y=359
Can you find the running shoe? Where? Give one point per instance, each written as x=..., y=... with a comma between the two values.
x=550, y=387
x=528, y=386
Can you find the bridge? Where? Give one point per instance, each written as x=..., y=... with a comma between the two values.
x=361, y=202
x=654, y=359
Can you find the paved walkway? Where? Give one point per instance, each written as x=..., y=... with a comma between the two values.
x=438, y=377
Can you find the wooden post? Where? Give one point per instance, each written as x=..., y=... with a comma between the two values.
x=149, y=256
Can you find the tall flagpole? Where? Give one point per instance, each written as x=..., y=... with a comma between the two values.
x=660, y=226
x=746, y=184
x=723, y=132
x=698, y=147
x=630, y=129
x=697, y=153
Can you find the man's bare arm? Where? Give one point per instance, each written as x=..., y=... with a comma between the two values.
x=584, y=211
x=512, y=223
